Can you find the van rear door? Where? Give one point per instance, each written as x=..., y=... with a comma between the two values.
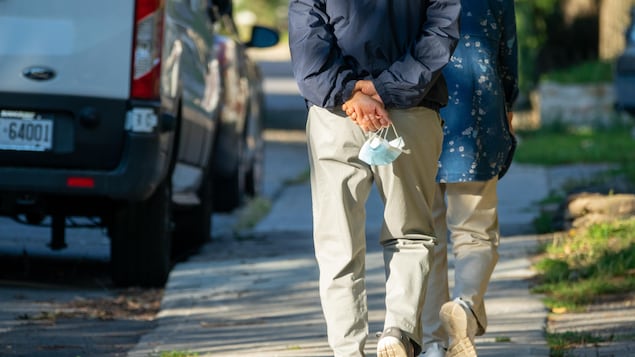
x=66, y=69
x=66, y=47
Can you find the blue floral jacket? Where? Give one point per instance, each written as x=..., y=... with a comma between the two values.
x=482, y=79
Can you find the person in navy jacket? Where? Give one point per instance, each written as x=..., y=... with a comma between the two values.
x=478, y=145
x=388, y=56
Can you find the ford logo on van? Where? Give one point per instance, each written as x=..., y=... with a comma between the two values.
x=38, y=73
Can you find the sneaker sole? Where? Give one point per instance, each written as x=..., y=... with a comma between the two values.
x=391, y=347
x=463, y=348
x=454, y=320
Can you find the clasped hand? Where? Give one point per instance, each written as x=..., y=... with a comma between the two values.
x=366, y=108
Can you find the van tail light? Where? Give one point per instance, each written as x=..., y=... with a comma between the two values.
x=80, y=182
x=146, y=57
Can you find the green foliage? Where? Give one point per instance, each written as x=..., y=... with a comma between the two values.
x=531, y=23
x=586, y=72
x=268, y=12
x=550, y=39
x=553, y=270
x=543, y=223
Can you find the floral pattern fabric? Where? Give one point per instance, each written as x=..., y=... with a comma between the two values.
x=482, y=79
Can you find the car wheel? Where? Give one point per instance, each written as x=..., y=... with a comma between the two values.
x=193, y=225
x=140, y=241
x=35, y=218
x=255, y=144
x=229, y=189
x=254, y=178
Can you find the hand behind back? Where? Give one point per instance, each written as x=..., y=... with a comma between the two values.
x=366, y=107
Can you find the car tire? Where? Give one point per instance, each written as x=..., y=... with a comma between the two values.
x=35, y=218
x=254, y=177
x=141, y=241
x=229, y=192
x=193, y=225
x=229, y=188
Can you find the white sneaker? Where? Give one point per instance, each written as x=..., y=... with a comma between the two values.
x=393, y=343
x=434, y=350
x=460, y=324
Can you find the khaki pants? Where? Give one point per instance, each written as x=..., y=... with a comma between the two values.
x=340, y=185
x=467, y=212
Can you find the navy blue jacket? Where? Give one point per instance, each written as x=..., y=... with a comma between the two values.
x=401, y=45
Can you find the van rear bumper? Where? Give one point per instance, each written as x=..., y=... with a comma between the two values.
x=143, y=165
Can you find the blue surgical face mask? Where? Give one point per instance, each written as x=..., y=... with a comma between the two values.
x=377, y=150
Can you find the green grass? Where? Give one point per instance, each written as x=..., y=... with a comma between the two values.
x=500, y=339
x=544, y=222
x=178, y=354
x=580, y=267
x=299, y=179
x=249, y=215
x=583, y=73
x=561, y=342
x=559, y=144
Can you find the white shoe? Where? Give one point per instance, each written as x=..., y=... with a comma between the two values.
x=393, y=343
x=434, y=350
x=460, y=324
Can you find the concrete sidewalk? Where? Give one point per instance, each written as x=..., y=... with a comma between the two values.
x=257, y=295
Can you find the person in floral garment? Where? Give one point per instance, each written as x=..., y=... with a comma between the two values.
x=478, y=146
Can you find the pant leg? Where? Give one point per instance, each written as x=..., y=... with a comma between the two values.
x=340, y=185
x=472, y=219
x=407, y=188
x=439, y=292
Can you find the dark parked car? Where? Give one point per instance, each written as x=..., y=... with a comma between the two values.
x=145, y=115
x=625, y=72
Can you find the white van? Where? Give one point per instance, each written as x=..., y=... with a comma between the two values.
x=113, y=110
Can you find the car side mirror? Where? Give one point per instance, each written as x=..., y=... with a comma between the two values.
x=262, y=37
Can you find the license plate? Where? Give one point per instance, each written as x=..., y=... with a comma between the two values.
x=26, y=134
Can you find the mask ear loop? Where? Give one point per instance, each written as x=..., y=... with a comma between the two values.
x=406, y=151
x=394, y=130
x=378, y=133
x=383, y=132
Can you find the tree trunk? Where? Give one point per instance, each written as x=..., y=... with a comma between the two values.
x=614, y=19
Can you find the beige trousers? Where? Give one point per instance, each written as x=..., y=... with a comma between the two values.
x=466, y=214
x=340, y=185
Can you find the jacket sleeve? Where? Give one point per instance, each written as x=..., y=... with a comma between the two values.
x=407, y=81
x=508, y=54
x=323, y=76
